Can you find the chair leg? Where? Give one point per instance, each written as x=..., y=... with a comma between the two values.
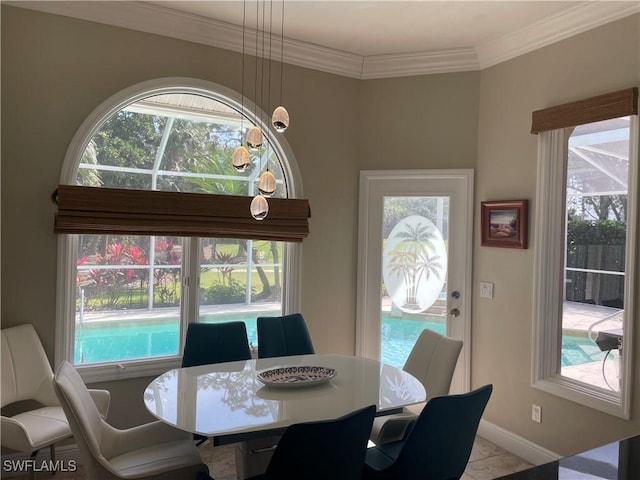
x=32, y=473
x=52, y=449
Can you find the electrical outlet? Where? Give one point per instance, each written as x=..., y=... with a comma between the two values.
x=536, y=413
x=486, y=289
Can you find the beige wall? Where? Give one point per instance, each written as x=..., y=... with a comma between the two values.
x=426, y=121
x=601, y=61
x=56, y=70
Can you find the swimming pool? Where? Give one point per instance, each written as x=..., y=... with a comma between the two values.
x=578, y=350
x=106, y=341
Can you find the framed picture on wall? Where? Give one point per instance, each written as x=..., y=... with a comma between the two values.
x=504, y=224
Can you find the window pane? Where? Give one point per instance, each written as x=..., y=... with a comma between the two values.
x=129, y=288
x=236, y=285
x=128, y=297
x=414, y=273
x=597, y=188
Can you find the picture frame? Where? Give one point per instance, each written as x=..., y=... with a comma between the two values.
x=504, y=223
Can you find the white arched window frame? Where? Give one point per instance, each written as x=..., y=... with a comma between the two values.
x=549, y=277
x=67, y=244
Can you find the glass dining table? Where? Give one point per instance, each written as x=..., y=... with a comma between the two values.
x=235, y=401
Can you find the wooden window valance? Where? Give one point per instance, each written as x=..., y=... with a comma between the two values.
x=595, y=109
x=96, y=210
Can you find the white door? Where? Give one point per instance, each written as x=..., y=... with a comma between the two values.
x=414, y=262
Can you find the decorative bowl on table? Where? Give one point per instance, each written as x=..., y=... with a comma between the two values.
x=293, y=377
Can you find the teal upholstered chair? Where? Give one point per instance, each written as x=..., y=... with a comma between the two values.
x=283, y=336
x=328, y=449
x=207, y=343
x=438, y=444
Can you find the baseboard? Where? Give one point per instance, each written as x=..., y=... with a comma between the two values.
x=67, y=458
x=512, y=443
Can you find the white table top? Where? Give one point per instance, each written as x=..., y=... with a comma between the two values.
x=227, y=398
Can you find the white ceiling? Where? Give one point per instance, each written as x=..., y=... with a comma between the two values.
x=362, y=39
x=377, y=27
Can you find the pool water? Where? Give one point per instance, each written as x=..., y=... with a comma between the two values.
x=400, y=334
x=579, y=350
x=98, y=342
x=125, y=340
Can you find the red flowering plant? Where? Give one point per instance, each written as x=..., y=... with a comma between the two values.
x=110, y=285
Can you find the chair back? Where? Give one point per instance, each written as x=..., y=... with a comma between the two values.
x=83, y=416
x=329, y=449
x=207, y=343
x=26, y=372
x=433, y=360
x=439, y=445
x=283, y=336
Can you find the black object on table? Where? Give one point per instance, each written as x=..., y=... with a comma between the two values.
x=614, y=461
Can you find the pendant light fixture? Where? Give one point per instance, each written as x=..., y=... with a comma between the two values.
x=267, y=182
x=259, y=207
x=241, y=158
x=254, y=137
x=280, y=117
x=254, y=134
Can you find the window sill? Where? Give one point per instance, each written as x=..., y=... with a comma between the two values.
x=583, y=394
x=105, y=372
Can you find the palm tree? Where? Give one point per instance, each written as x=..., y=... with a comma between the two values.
x=413, y=257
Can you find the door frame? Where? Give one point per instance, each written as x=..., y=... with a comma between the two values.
x=374, y=186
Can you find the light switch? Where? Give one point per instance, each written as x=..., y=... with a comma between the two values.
x=486, y=289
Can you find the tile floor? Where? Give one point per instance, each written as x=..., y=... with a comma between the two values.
x=487, y=461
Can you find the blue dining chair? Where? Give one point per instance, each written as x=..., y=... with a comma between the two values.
x=438, y=444
x=283, y=336
x=327, y=449
x=277, y=337
x=208, y=343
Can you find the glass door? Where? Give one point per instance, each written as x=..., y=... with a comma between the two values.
x=414, y=262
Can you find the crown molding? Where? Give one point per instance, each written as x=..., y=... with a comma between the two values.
x=159, y=20
x=568, y=23
x=421, y=63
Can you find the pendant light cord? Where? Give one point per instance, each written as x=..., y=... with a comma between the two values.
x=281, y=53
x=255, y=89
x=269, y=76
x=244, y=18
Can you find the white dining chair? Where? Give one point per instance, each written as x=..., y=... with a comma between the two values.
x=27, y=376
x=151, y=451
x=432, y=360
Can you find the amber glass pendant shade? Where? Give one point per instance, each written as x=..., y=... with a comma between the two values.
x=254, y=138
x=280, y=119
x=240, y=159
x=267, y=184
x=259, y=207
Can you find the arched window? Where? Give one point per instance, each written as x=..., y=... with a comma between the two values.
x=125, y=299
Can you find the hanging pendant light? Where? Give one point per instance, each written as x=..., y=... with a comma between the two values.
x=280, y=119
x=241, y=159
x=267, y=183
x=259, y=207
x=254, y=138
x=280, y=116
